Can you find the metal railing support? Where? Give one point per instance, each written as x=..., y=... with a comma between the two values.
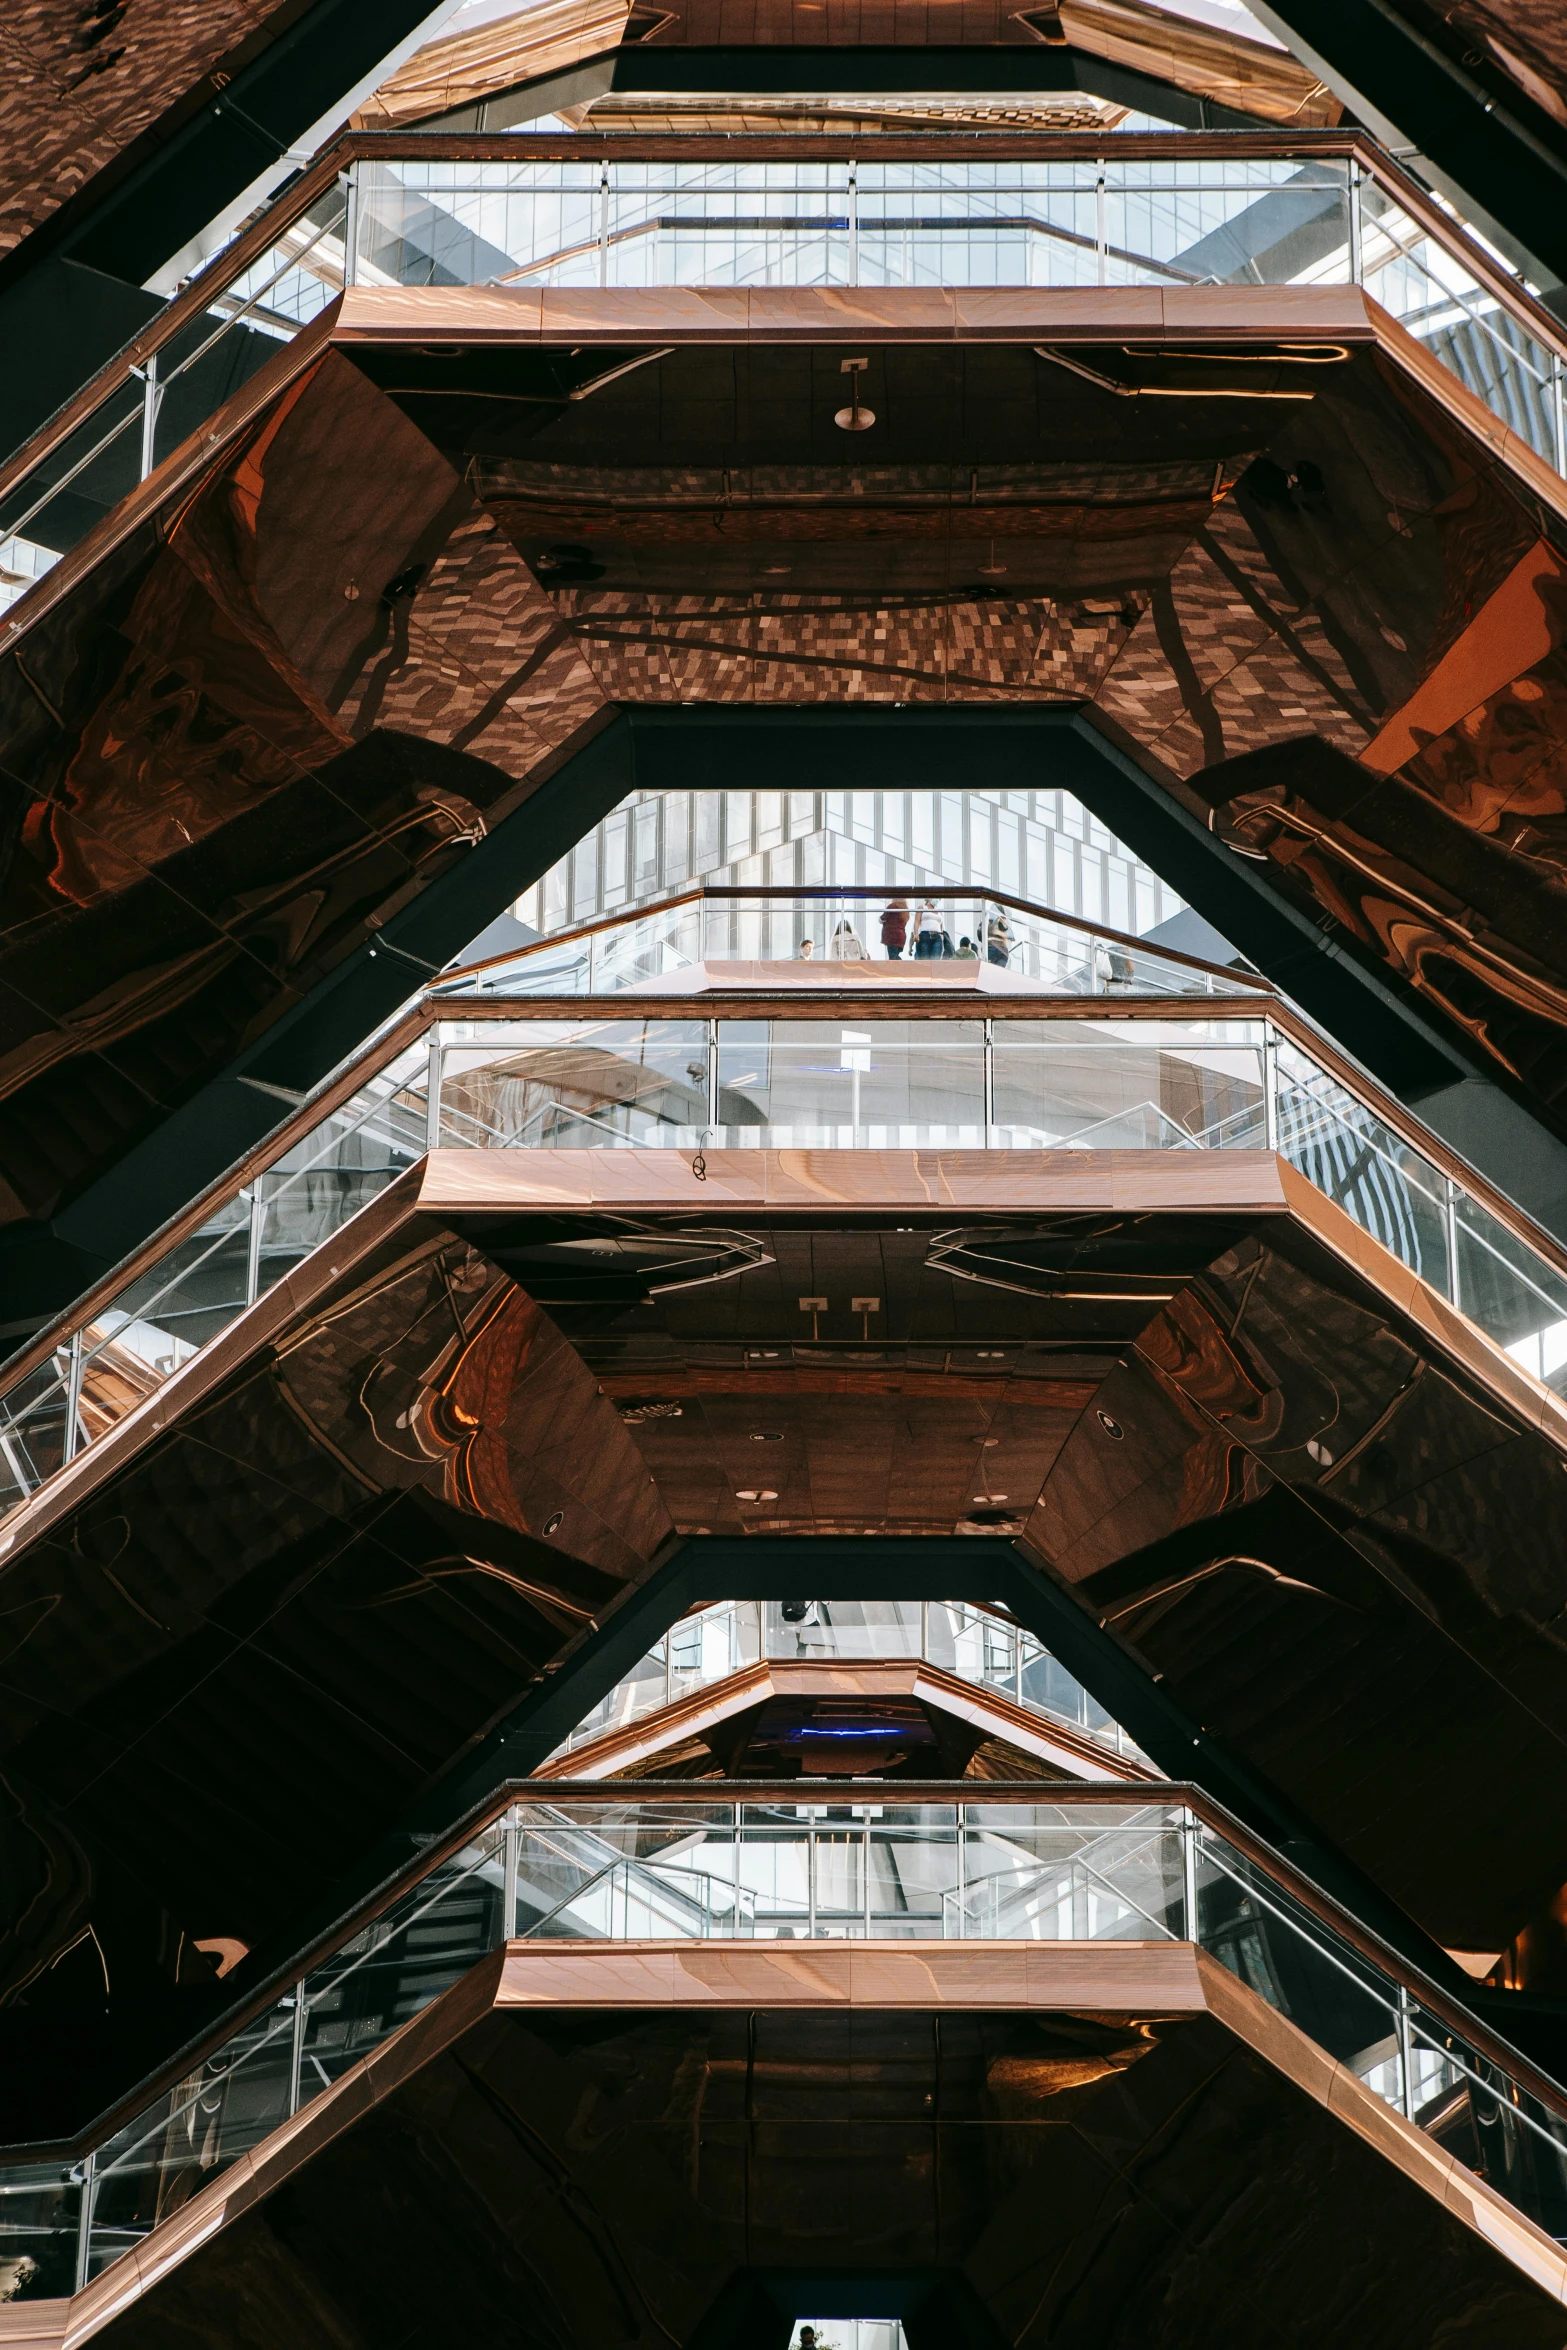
x=1406, y=2058
x=510, y=1853
x=296, y=2047
x=1190, y=1918
x=84, y=2216
x=71, y=1433
x=151, y=402
x=432, y=1093
x=350, y=186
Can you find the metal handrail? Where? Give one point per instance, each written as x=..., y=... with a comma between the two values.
x=294, y=200
x=564, y=1797
x=1549, y=1255
x=854, y=893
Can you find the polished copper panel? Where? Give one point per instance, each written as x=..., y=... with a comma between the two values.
x=627, y=2128
x=80, y=90
x=230, y=755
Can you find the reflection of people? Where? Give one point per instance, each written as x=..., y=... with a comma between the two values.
x=968, y=952
x=1103, y=968
x=927, y=931
x=998, y=938
x=807, y=949
x=895, y=928
x=1121, y=972
x=846, y=947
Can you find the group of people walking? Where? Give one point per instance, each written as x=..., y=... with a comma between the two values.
x=921, y=932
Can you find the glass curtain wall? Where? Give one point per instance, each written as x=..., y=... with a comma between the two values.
x=1042, y=845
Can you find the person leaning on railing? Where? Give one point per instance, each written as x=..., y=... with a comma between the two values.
x=895, y=928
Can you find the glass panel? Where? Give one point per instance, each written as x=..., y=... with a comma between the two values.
x=1127, y=1086
x=882, y=1085
x=1403, y=2054
x=526, y=1085
x=1171, y=221
x=423, y=1945
x=40, y=2207
x=903, y=930
x=339, y=1168
x=1390, y=1190
x=1513, y=1297
x=1435, y=297
x=1030, y=1872
x=156, y=2163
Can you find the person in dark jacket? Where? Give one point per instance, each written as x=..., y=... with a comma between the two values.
x=895, y=928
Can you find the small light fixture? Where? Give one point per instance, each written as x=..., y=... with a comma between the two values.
x=1111, y=1427
x=554, y=1523
x=856, y=417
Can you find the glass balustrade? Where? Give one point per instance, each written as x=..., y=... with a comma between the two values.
x=989, y=1651
x=859, y=1081
x=924, y=939
x=852, y=1867
x=1192, y=215
x=1181, y=219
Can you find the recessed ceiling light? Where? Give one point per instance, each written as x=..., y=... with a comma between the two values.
x=985, y=1499
x=554, y=1523
x=767, y=1436
x=1111, y=1427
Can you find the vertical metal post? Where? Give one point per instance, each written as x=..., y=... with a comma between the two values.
x=151, y=402
x=1270, y=1090
x=734, y=1915
x=1558, y=414
x=1451, y=1223
x=604, y=222
x=866, y=1887
x=1406, y=2058
x=71, y=1436
x=712, y=1073
x=810, y=1874
x=253, y=1244
x=1189, y=1918
x=432, y=1094
x=296, y=2047
x=1017, y=1659
x=351, y=225
x=990, y=1082
x=89, y=2182
x=510, y=1853
x=1356, y=262
x=854, y=222
x=1099, y=220
x=925, y=1630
